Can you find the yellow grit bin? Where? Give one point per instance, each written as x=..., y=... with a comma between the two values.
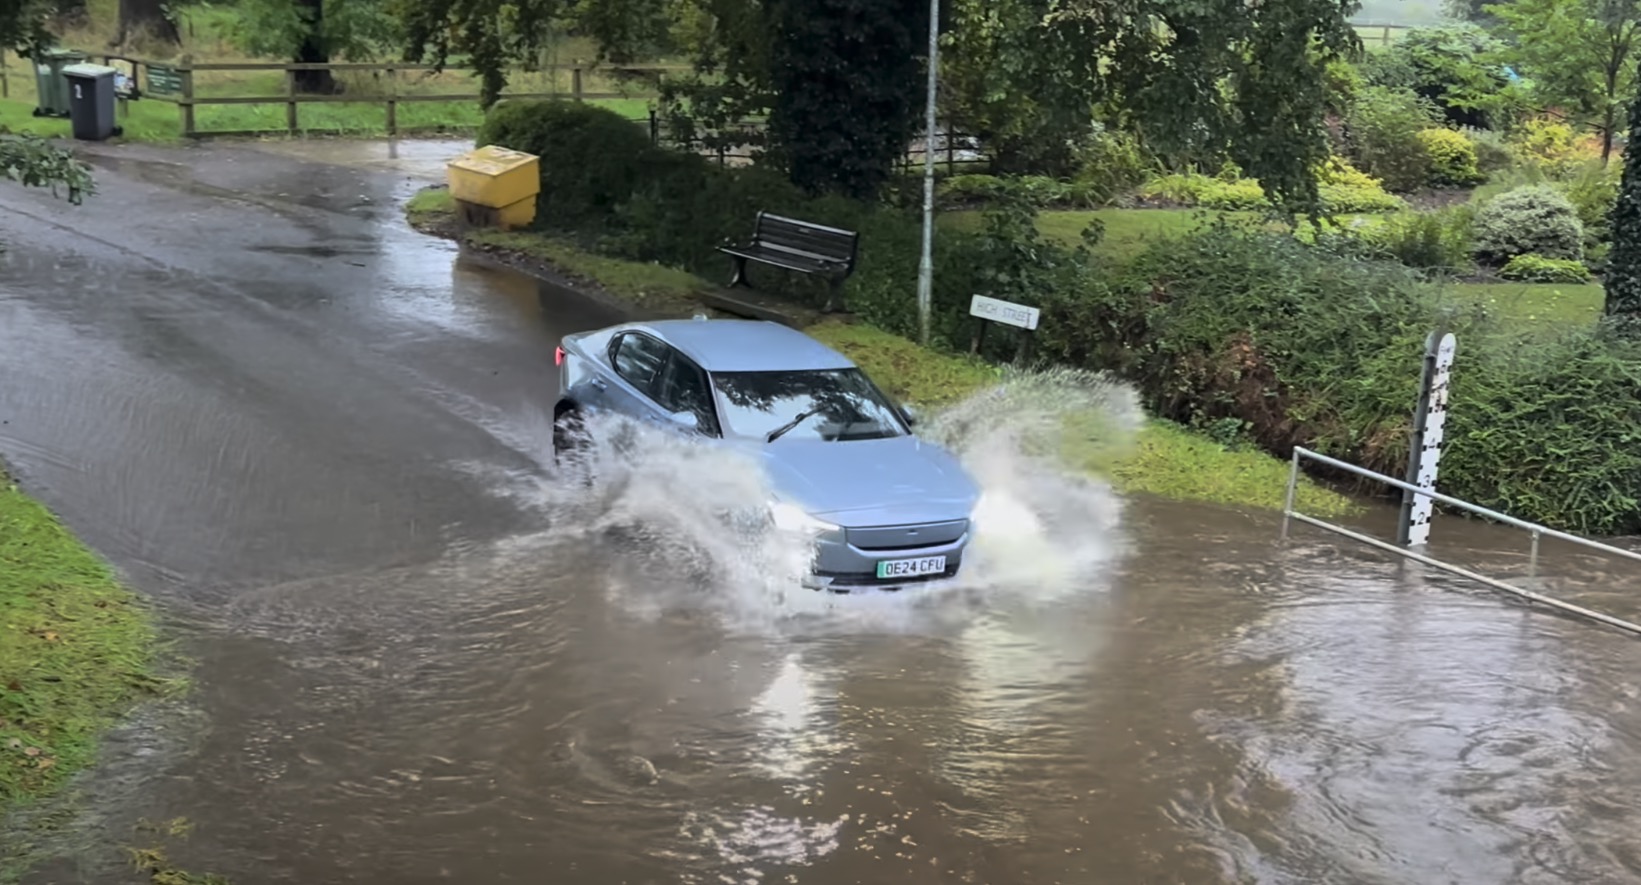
x=500, y=179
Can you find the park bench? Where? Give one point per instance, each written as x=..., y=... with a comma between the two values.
x=801, y=247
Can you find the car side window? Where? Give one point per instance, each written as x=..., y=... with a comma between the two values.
x=638, y=359
x=684, y=389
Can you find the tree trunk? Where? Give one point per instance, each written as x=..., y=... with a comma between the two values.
x=314, y=51
x=1623, y=277
x=146, y=19
x=1607, y=126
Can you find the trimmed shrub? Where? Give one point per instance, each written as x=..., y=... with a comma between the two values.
x=1538, y=269
x=1349, y=190
x=1536, y=219
x=1452, y=158
x=1344, y=189
x=1383, y=128
x=591, y=157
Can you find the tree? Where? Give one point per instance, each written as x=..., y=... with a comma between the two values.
x=315, y=32
x=1579, y=54
x=839, y=78
x=149, y=19
x=23, y=26
x=1623, y=277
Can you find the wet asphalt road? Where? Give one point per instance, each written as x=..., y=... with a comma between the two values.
x=315, y=437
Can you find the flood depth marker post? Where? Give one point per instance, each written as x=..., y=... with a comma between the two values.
x=1425, y=448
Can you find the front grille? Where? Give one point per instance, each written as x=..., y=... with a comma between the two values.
x=907, y=537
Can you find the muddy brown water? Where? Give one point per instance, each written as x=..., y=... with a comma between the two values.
x=315, y=443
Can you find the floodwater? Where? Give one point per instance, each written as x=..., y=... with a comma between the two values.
x=317, y=439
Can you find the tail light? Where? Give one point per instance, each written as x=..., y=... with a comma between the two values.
x=558, y=356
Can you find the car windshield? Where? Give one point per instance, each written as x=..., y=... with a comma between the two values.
x=833, y=405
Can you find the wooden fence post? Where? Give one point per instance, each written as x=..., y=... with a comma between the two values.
x=290, y=101
x=392, y=105
x=187, y=72
x=5, y=77
x=575, y=80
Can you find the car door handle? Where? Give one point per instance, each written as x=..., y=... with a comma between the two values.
x=600, y=384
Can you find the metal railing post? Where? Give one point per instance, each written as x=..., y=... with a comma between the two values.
x=1293, y=492
x=1532, y=558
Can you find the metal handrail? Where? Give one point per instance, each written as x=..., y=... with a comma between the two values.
x=1301, y=452
x=1288, y=513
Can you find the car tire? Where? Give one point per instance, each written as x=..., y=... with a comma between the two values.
x=569, y=437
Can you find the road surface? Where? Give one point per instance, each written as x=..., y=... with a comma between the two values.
x=316, y=438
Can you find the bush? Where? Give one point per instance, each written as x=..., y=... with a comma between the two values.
x=1451, y=66
x=1536, y=219
x=1037, y=190
x=1593, y=191
x=1110, y=165
x=1344, y=189
x=1426, y=241
x=1347, y=189
x=591, y=158
x=1491, y=149
x=1452, y=158
x=1309, y=349
x=1538, y=269
x=1548, y=430
x=1551, y=148
x=1383, y=129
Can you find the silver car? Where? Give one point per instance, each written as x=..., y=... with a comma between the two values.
x=885, y=507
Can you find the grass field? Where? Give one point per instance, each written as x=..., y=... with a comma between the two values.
x=76, y=650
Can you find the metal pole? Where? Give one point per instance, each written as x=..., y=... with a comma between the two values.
x=1532, y=559
x=1293, y=491
x=925, y=264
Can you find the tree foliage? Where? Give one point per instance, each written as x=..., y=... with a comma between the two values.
x=1456, y=67
x=840, y=79
x=33, y=162
x=1623, y=276
x=23, y=26
x=1580, y=55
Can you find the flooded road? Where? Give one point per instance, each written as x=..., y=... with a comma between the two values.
x=317, y=439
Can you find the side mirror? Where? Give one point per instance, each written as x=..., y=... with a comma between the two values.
x=685, y=420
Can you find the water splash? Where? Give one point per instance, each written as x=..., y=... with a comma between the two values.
x=680, y=519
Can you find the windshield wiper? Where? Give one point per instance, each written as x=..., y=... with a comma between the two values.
x=781, y=431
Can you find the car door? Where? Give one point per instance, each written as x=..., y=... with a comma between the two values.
x=683, y=389
x=637, y=360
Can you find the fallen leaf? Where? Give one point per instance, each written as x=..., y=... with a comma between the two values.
x=51, y=636
x=14, y=685
x=14, y=743
x=46, y=762
x=31, y=752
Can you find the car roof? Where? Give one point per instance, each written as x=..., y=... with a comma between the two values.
x=746, y=345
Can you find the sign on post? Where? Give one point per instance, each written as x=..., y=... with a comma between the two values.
x=1006, y=312
x=164, y=80
x=1429, y=426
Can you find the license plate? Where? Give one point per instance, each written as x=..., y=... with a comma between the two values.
x=911, y=568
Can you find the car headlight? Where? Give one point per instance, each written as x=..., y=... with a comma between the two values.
x=792, y=518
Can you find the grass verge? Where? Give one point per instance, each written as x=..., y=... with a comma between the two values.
x=1166, y=460
x=77, y=651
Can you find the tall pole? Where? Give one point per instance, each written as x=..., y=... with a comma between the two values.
x=925, y=264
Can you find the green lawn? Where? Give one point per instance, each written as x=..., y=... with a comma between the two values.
x=157, y=120
x=1536, y=305
x=76, y=650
